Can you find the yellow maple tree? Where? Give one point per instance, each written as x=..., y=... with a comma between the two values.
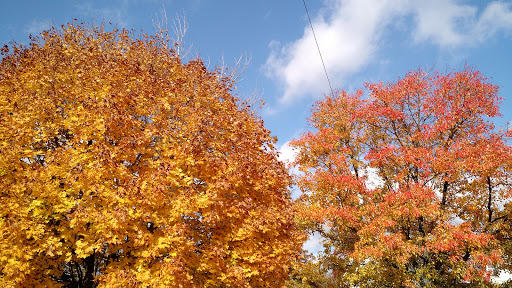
x=122, y=166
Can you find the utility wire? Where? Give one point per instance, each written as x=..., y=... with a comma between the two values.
x=319, y=52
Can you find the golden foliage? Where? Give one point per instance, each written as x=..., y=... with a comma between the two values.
x=121, y=166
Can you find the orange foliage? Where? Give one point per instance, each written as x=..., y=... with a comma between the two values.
x=121, y=166
x=410, y=185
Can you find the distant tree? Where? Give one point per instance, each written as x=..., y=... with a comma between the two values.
x=411, y=184
x=121, y=166
x=310, y=273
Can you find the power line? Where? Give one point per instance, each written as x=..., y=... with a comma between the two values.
x=319, y=52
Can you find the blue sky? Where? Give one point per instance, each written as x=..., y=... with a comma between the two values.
x=365, y=40
x=361, y=40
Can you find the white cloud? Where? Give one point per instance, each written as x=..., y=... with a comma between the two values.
x=37, y=26
x=349, y=33
x=314, y=243
x=441, y=22
x=347, y=36
x=287, y=153
x=502, y=277
x=496, y=16
x=373, y=181
x=450, y=24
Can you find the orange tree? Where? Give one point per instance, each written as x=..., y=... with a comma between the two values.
x=411, y=184
x=122, y=166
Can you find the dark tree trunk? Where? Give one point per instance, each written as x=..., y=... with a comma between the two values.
x=89, y=263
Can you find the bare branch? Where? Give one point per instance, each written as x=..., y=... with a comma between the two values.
x=179, y=30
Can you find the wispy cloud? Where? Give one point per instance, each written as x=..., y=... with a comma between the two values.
x=350, y=32
x=441, y=26
x=496, y=18
x=115, y=14
x=37, y=26
x=450, y=24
